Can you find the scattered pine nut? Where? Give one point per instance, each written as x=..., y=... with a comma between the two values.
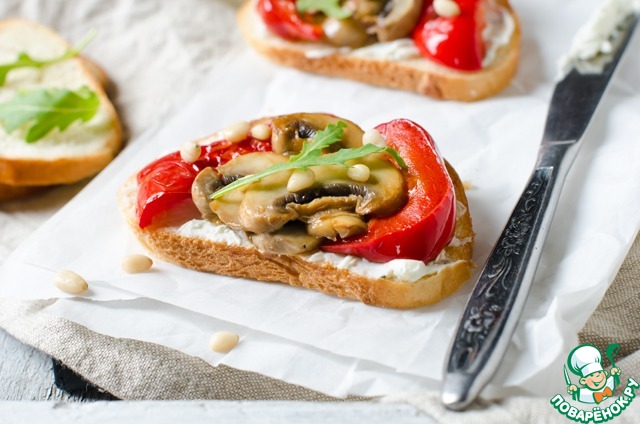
x=223, y=341
x=374, y=137
x=190, y=152
x=446, y=8
x=300, y=179
x=236, y=132
x=136, y=263
x=359, y=173
x=261, y=132
x=70, y=282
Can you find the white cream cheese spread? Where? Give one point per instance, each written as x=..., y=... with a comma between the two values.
x=401, y=49
x=201, y=228
x=497, y=32
x=598, y=36
x=401, y=269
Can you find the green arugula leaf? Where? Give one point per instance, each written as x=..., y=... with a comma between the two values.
x=26, y=61
x=323, y=139
x=45, y=109
x=328, y=7
x=344, y=155
x=311, y=155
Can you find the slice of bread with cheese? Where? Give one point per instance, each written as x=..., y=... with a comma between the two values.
x=440, y=278
x=377, y=65
x=61, y=157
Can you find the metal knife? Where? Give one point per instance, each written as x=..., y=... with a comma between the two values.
x=498, y=298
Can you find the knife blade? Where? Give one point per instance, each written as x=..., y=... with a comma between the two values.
x=567, y=379
x=498, y=297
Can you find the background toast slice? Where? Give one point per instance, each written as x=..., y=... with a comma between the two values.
x=419, y=75
x=83, y=149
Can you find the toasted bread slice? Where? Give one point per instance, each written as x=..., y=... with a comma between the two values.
x=80, y=151
x=419, y=74
x=248, y=262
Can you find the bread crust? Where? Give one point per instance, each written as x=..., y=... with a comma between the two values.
x=418, y=75
x=33, y=172
x=236, y=261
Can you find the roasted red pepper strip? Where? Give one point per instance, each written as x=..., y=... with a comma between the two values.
x=425, y=225
x=282, y=18
x=454, y=42
x=167, y=180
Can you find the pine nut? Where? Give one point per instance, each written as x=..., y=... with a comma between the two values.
x=134, y=264
x=261, y=132
x=359, y=173
x=372, y=136
x=300, y=180
x=236, y=132
x=190, y=152
x=70, y=282
x=223, y=341
x=446, y=8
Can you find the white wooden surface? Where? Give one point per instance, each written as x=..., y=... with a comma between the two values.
x=26, y=373
x=210, y=412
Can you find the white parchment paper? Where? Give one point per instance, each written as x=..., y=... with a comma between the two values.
x=178, y=328
x=492, y=143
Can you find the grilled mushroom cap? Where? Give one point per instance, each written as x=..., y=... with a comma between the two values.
x=205, y=184
x=397, y=19
x=290, y=131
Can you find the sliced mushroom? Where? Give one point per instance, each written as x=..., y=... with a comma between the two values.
x=248, y=164
x=323, y=199
x=382, y=194
x=267, y=205
x=289, y=131
x=205, y=184
x=336, y=223
x=397, y=19
x=259, y=212
x=345, y=32
x=227, y=207
x=290, y=240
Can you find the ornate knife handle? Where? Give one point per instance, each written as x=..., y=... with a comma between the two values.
x=498, y=297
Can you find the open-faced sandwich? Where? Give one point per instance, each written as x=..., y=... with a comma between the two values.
x=311, y=200
x=57, y=126
x=449, y=49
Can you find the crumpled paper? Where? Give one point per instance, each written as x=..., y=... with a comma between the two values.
x=492, y=144
x=275, y=357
